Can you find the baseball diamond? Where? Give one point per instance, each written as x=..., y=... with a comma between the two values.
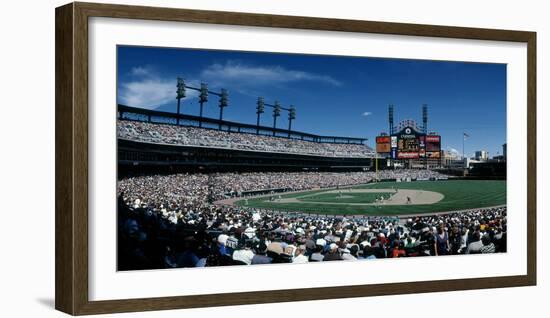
x=425, y=197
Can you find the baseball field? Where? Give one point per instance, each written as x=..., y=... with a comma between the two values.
x=389, y=198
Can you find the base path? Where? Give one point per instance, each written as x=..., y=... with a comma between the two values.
x=400, y=197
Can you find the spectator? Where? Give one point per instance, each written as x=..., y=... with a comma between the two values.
x=488, y=246
x=300, y=257
x=244, y=255
x=442, y=241
x=260, y=256
x=475, y=246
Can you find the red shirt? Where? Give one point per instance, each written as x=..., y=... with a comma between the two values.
x=398, y=252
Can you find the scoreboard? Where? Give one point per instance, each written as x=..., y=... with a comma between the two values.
x=409, y=143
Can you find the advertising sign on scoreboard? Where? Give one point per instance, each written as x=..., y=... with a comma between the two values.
x=433, y=143
x=407, y=155
x=433, y=154
x=422, y=146
x=383, y=144
x=394, y=141
x=383, y=148
x=383, y=139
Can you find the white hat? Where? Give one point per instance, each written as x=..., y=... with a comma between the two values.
x=250, y=232
x=300, y=230
x=321, y=242
x=222, y=239
x=256, y=217
x=365, y=243
x=333, y=246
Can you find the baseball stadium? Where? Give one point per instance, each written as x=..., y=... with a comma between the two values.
x=199, y=191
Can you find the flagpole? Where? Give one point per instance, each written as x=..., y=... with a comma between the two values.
x=376, y=164
x=463, y=138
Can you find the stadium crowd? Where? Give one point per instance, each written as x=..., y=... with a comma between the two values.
x=171, y=190
x=412, y=174
x=193, y=136
x=218, y=236
x=168, y=221
x=235, y=184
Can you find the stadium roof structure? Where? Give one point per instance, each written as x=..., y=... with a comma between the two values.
x=162, y=117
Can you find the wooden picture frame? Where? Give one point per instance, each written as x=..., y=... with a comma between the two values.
x=71, y=124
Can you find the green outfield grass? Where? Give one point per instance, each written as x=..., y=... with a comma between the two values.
x=458, y=195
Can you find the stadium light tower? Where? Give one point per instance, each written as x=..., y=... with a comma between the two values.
x=425, y=129
x=180, y=93
x=223, y=103
x=291, y=117
x=425, y=117
x=260, y=108
x=203, y=98
x=276, y=113
x=390, y=118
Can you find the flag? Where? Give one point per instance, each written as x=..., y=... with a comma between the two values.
x=466, y=136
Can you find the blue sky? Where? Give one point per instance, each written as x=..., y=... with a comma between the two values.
x=333, y=95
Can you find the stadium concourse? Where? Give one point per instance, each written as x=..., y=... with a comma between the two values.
x=168, y=221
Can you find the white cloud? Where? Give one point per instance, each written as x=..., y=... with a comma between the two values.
x=140, y=71
x=236, y=73
x=148, y=90
x=148, y=93
x=366, y=114
x=452, y=150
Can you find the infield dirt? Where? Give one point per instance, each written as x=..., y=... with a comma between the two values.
x=399, y=197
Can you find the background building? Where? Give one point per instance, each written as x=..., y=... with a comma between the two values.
x=481, y=155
